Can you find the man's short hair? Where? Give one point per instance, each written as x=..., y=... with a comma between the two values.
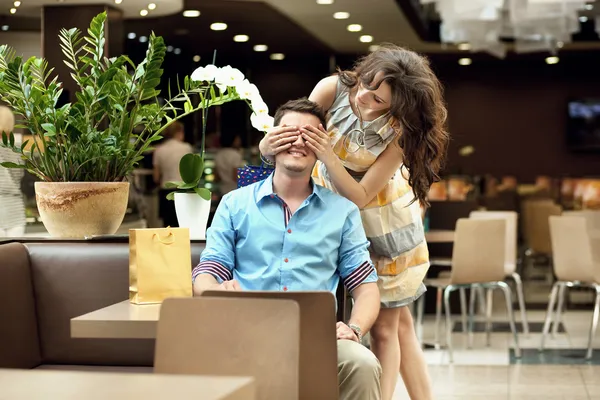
x=302, y=105
x=173, y=130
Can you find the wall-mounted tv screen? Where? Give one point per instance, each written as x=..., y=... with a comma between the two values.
x=583, y=125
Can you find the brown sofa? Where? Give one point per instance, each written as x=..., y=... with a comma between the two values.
x=43, y=284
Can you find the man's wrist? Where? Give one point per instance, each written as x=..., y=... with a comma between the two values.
x=357, y=331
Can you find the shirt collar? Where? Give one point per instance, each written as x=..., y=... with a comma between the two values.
x=266, y=189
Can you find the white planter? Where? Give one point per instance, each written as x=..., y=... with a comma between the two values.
x=192, y=212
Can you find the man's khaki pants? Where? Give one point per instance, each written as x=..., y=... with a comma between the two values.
x=359, y=372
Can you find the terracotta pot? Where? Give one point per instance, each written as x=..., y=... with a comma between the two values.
x=81, y=209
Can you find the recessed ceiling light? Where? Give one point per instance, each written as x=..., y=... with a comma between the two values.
x=143, y=39
x=17, y=3
x=277, y=56
x=5, y=27
x=373, y=47
x=583, y=18
x=143, y=13
x=589, y=7
x=324, y=1
x=218, y=26
x=116, y=1
x=464, y=46
x=354, y=28
x=13, y=10
x=552, y=60
x=177, y=51
x=241, y=38
x=341, y=15
x=261, y=47
x=196, y=58
x=191, y=13
x=151, y=6
x=465, y=61
x=366, y=38
x=131, y=35
x=169, y=48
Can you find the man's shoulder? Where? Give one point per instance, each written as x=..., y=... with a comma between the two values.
x=335, y=200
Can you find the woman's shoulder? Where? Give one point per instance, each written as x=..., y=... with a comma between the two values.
x=326, y=91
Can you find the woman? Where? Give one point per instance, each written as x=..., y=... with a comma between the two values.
x=383, y=148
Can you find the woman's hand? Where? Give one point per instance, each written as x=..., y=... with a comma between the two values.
x=278, y=139
x=318, y=141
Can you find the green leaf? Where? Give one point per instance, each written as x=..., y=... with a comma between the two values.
x=171, y=196
x=13, y=165
x=50, y=128
x=203, y=192
x=172, y=185
x=191, y=167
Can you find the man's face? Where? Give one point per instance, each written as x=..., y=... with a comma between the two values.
x=298, y=158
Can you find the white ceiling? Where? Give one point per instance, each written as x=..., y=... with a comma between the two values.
x=130, y=8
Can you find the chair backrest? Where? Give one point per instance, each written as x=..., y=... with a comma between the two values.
x=318, y=344
x=592, y=217
x=232, y=337
x=536, y=227
x=571, y=249
x=511, y=218
x=479, y=251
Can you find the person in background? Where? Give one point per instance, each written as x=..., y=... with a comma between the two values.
x=227, y=161
x=166, y=169
x=12, y=204
x=270, y=236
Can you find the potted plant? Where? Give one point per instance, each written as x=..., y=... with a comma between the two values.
x=84, y=151
x=217, y=86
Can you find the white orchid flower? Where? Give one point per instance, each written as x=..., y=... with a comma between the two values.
x=205, y=74
x=228, y=77
x=259, y=106
x=262, y=122
x=248, y=91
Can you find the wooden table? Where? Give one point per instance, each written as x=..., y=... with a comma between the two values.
x=120, y=321
x=17, y=384
x=439, y=236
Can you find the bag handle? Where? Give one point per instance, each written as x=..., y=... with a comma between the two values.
x=170, y=235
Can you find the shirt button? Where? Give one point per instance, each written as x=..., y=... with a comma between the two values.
x=289, y=231
x=286, y=260
x=272, y=196
x=285, y=288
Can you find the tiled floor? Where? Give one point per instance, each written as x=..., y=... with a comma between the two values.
x=491, y=373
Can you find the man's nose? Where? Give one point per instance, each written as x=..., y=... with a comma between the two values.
x=299, y=141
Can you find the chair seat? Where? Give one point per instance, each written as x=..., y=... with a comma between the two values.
x=443, y=262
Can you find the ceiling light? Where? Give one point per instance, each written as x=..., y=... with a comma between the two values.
x=366, y=38
x=151, y=6
x=5, y=27
x=464, y=46
x=13, y=10
x=218, y=26
x=277, y=56
x=191, y=13
x=116, y=1
x=589, y=7
x=560, y=45
x=241, y=38
x=583, y=18
x=177, y=51
x=143, y=13
x=17, y=3
x=169, y=49
x=261, y=47
x=354, y=28
x=341, y=15
x=324, y=1
x=552, y=60
x=143, y=39
x=465, y=61
x=196, y=58
x=131, y=35
x=373, y=47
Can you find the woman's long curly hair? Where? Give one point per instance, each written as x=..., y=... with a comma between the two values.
x=418, y=105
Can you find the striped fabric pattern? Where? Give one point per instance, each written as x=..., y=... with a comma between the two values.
x=393, y=227
x=12, y=205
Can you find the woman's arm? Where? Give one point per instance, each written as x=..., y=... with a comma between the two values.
x=324, y=92
x=360, y=193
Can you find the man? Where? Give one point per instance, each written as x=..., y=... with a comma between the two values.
x=227, y=161
x=286, y=233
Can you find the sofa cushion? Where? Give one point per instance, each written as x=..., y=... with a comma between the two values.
x=74, y=278
x=18, y=327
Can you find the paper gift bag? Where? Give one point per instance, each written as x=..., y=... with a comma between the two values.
x=160, y=263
